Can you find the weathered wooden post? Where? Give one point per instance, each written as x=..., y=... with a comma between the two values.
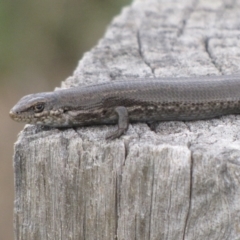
x=178, y=182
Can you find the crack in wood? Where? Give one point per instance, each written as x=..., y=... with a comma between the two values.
x=190, y=197
x=213, y=60
x=141, y=54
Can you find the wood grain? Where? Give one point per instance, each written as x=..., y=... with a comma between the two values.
x=180, y=181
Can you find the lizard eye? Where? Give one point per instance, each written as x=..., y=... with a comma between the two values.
x=38, y=107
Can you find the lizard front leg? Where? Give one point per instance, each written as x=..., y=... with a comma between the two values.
x=123, y=122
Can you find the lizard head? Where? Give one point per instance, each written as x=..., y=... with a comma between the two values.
x=35, y=109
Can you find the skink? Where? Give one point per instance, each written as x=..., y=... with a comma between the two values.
x=139, y=100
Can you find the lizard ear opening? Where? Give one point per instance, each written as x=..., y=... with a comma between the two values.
x=38, y=107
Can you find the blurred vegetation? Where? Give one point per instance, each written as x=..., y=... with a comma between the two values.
x=44, y=39
x=41, y=43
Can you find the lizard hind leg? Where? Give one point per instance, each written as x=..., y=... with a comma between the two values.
x=123, y=122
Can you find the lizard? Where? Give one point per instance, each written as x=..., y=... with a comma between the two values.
x=135, y=100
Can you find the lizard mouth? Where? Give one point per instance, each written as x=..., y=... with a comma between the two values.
x=12, y=114
x=18, y=118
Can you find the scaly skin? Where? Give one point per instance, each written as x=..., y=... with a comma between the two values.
x=144, y=100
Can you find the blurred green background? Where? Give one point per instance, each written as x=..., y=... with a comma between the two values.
x=41, y=43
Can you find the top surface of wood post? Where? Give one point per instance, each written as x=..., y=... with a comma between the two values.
x=178, y=182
